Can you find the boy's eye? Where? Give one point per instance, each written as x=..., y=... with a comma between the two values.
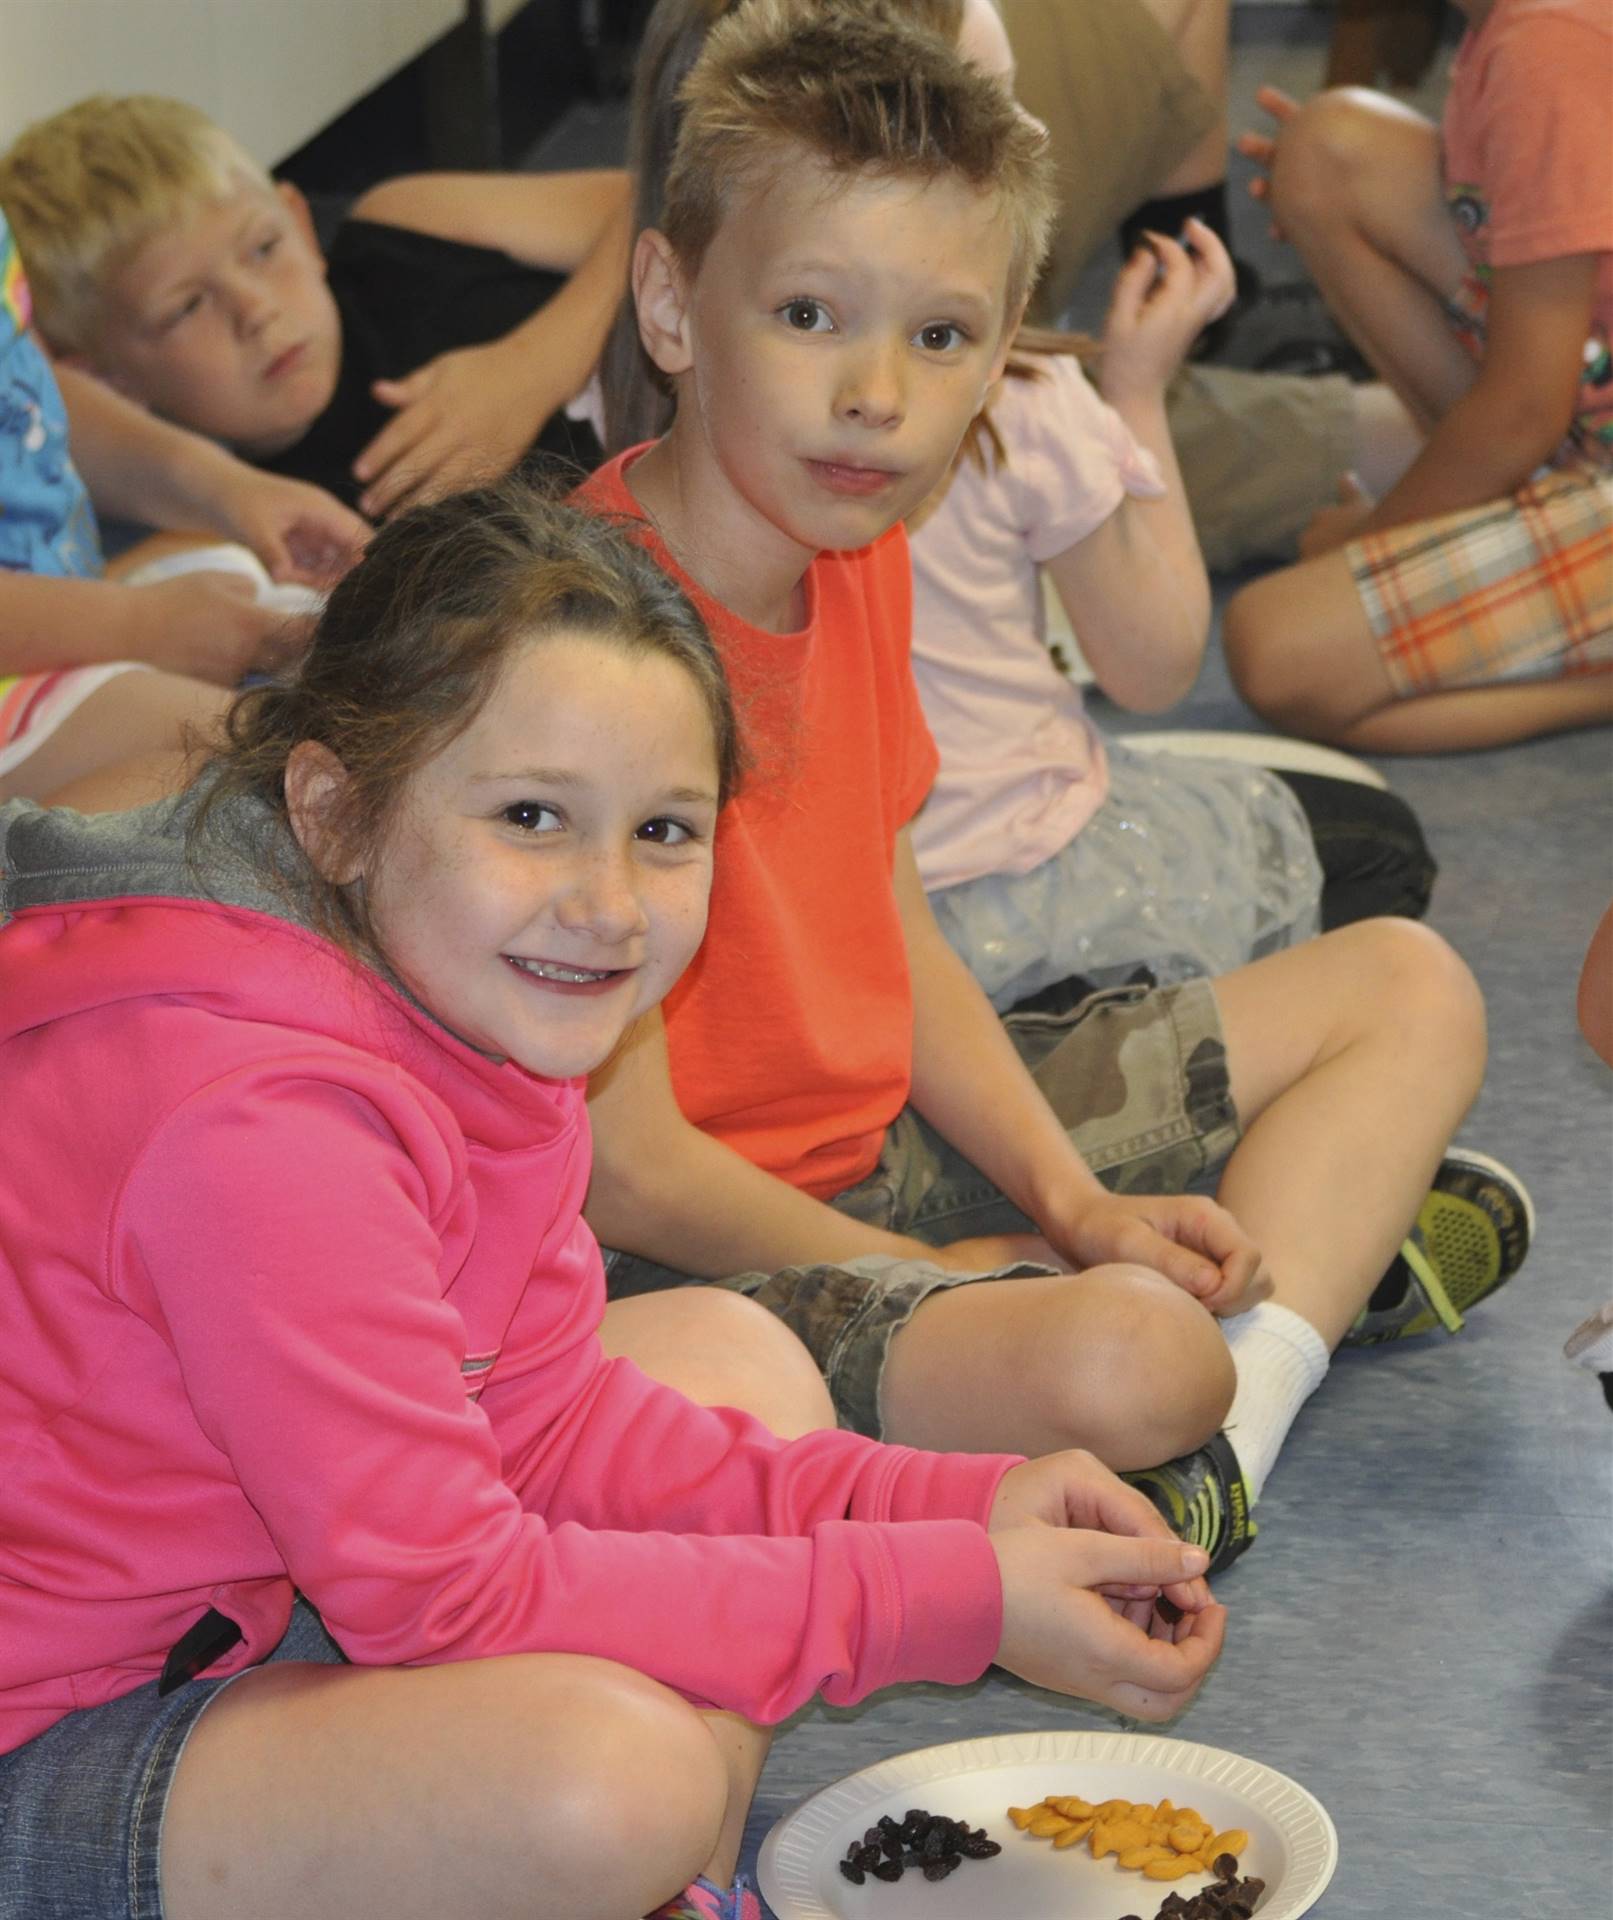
x=174, y=315
x=267, y=245
x=532, y=816
x=807, y=316
x=941, y=336
x=666, y=833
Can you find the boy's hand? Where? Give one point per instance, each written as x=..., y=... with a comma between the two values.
x=1262, y=147
x=1187, y=1238
x=1331, y=527
x=1067, y=1626
x=209, y=625
x=298, y=531
x=1164, y=297
x=464, y=418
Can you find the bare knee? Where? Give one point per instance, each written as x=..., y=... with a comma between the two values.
x=1263, y=641
x=774, y=1375
x=1417, y=991
x=328, y=1791
x=722, y=1350
x=1324, y=154
x=1138, y=1369
x=637, y=1746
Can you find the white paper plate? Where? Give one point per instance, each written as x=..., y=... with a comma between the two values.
x=1292, y=1844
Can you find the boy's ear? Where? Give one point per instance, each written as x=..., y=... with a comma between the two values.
x=296, y=204
x=315, y=783
x=660, y=298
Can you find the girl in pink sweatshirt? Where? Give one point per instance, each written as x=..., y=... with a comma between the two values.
x=336, y=1555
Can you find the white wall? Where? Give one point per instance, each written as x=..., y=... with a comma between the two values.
x=273, y=71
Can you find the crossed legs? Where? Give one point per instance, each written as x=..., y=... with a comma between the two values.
x=500, y=1786
x=1355, y=185
x=1353, y=1059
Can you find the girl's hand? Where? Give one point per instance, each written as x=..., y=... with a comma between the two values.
x=1075, y=1489
x=1164, y=298
x=1189, y=1239
x=1062, y=1629
x=1262, y=148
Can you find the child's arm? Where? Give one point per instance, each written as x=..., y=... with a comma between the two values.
x=472, y=413
x=973, y=1088
x=1510, y=420
x=1135, y=587
x=137, y=467
x=663, y=1189
x=207, y=625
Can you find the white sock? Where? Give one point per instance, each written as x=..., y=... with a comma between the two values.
x=1281, y=1360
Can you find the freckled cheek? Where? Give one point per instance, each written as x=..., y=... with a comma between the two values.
x=680, y=922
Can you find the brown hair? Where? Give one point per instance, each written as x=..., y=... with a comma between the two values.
x=411, y=647
x=864, y=85
x=1030, y=344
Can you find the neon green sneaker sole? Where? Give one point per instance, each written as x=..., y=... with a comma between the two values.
x=1471, y=1236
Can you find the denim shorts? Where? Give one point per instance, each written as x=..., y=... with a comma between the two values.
x=1137, y=1074
x=82, y=1804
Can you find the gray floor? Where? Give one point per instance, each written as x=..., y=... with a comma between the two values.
x=1423, y=1634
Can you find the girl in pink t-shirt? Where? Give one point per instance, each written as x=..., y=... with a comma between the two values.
x=1049, y=851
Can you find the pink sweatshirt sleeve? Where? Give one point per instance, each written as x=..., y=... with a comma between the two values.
x=299, y=1238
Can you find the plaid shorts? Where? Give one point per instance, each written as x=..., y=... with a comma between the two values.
x=1139, y=1078
x=1518, y=589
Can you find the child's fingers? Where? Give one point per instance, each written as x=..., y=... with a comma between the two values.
x=1131, y=287
x=1217, y=277
x=1281, y=106
x=411, y=423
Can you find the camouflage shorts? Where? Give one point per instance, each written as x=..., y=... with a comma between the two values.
x=1139, y=1078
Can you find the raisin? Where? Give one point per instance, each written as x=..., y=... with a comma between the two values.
x=978, y=1847
x=939, y=1869
x=1226, y=1867
x=867, y=1858
x=887, y=1870
x=853, y=1872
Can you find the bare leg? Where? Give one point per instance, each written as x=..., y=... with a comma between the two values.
x=542, y=1783
x=1355, y=186
x=131, y=716
x=1354, y=1058
x=1302, y=654
x=1594, y=1000
x=721, y=1350
x=1116, y=1360
x=1200, y=29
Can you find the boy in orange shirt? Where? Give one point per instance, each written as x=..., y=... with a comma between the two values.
x=830, y=1116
